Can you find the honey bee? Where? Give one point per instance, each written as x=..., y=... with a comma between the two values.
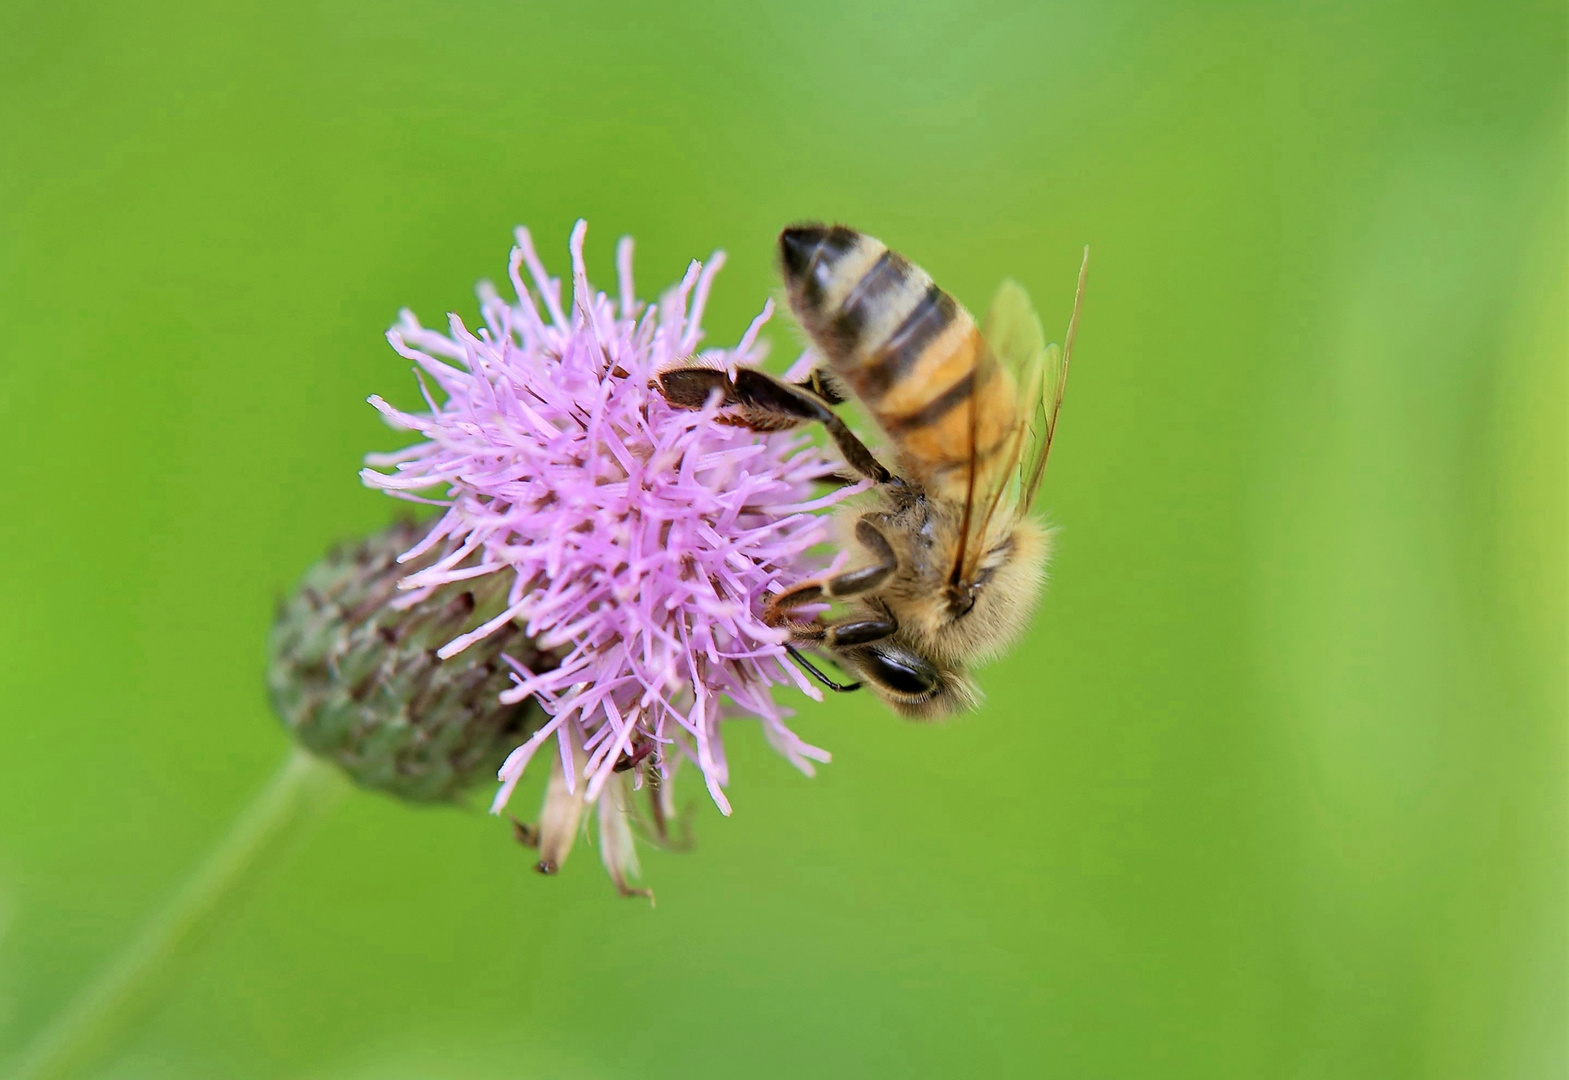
x=952, y=562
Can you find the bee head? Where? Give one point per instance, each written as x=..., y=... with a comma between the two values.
x=916, y=686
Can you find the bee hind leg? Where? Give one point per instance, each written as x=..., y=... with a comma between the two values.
x=825, y=385
x=691, y=387
x=766, y=393
x=767, y=404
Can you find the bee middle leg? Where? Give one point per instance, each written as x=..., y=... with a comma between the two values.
x=850, y=583
x=770, y=405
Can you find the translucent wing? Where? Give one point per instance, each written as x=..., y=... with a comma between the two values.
x=1048, y=402
x=1035, y=374
x=1013, y=331
x=1008, y=378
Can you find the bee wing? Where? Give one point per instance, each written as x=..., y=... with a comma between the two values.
x=1014, y=353
x=1013, y=332
x=1039, y=374
x=1014, y=347
x=1043, y=398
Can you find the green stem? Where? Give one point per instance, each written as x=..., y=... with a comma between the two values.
x=127, y=987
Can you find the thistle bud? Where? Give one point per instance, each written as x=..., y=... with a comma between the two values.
x=357, y=680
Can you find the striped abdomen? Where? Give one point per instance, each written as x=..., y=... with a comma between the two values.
x=908, y=350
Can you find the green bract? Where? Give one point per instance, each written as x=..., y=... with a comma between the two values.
x=358, y=682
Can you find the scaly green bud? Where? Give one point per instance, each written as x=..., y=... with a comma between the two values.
x=358, y=682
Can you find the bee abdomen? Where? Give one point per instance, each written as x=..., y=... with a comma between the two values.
x=849, y=291
x=907, y=349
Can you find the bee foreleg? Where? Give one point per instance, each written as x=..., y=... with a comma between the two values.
x=842, y=635
x=777, y=612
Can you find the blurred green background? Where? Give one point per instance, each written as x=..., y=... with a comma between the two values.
x=1276, y=786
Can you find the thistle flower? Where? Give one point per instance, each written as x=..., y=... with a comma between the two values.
x=635, y=540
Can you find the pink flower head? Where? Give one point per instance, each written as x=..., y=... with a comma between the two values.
x=639, y=538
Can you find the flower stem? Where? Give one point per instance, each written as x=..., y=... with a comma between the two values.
x=127, y=988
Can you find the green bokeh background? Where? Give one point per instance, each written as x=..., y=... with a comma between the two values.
x=1276, y=785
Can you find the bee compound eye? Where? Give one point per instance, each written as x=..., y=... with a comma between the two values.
x=898, y=669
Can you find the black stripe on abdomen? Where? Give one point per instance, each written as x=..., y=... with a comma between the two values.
x=861, y=303
x=934, y=410
x=893, y=361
